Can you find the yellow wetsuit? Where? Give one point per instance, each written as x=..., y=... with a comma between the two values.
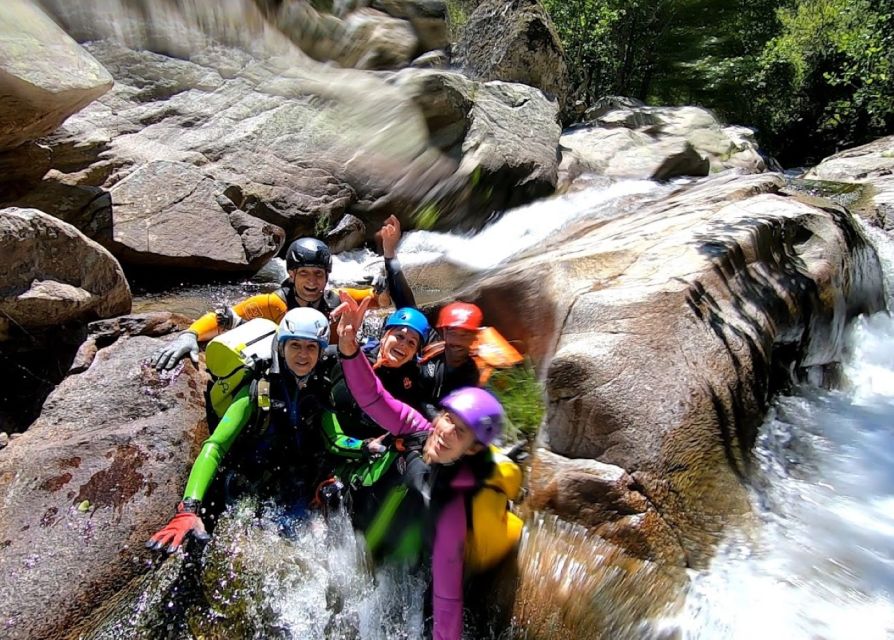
x=272, y=306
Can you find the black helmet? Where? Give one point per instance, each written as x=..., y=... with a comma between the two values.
x=308, y=252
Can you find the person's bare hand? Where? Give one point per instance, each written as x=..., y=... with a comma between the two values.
x=350, y=319
x=390, y=236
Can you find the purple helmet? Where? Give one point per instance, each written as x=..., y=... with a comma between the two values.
x=479, y=409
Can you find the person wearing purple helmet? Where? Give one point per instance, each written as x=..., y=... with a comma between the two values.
x=456, y=450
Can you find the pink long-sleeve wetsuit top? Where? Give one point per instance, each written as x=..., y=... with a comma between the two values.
x=450, y=530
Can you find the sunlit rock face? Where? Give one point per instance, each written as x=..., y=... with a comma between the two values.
x=171, y=214
x=92, y=478
x=665, y=328
x=257, y=137
x=514, y=42
x=53, y=275
x=624, y=138
x=871, y=164
x=505, y=131
x=45, y=76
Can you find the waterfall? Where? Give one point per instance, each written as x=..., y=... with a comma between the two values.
x=822, y=563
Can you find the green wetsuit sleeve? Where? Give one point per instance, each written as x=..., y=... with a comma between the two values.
x=337, y=443
x=218, y=444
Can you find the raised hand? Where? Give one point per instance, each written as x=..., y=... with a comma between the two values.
x=390, y=236
x=350, y=319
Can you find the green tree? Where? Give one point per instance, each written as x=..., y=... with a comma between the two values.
x=828, y=77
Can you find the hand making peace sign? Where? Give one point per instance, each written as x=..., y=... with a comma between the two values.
x=350, y=319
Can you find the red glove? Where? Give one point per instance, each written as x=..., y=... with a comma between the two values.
x=186, y=522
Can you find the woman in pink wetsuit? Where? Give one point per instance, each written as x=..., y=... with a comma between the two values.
x=470, y=420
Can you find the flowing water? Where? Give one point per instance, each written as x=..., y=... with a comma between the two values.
x=435, y=263
x=823, y=563
x=820, y=566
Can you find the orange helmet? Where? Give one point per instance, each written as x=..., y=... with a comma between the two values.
x=460, y=314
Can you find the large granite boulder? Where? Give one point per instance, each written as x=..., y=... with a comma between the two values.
x=665, y=330
x=871, y=164
x=53, y=275
x=364, y=38
x=171, y=214
x=428, y=17
x=99, y=471
x=515, y=42
x=381, y=42
x=45, y=76
x=266, y=139
x=635, y=141
x=505, y=132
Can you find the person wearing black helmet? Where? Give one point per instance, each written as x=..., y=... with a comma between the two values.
x=309, y=263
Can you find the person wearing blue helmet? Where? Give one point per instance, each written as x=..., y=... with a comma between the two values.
x=276, y=416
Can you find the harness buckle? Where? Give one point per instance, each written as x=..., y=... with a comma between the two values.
x=264, y=395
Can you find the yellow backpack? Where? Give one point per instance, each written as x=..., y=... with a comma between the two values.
x=495, y=529
x=236, y=356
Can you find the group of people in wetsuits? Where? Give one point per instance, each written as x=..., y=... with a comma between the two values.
x=395, y=426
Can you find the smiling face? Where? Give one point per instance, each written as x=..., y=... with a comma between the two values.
x=399, y=346
x=301, y=356
x=458, y=344
x=449, y=440
x=310, y=283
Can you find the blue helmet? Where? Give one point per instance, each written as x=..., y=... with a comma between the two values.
x=410, y=318
x=304, y=323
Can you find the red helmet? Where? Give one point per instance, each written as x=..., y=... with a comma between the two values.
x=462, y=315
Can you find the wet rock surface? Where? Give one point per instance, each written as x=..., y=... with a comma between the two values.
x=667, y=329
x=871, y=164
x=91, y=479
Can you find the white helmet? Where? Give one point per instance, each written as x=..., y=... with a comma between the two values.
x=304, y=323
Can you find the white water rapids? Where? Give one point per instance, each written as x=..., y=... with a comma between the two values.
x=822, y=564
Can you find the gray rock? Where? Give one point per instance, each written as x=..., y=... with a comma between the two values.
x=636, y=141
x=432, y=60
x=380, y=41
x=349, y=234
x=507, y=132
x=428, y=17
x=660, y=331
x=515, y=42
x=363, y=39
x=4, y=439
x=53, y=274
x=89, y=482
x=871, y=164
x=286, y=155
x=46, y=76
x=171, y=214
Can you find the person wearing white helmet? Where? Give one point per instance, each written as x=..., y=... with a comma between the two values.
x=309, y=265
x=276, y=417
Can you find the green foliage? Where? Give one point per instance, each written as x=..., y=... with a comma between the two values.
x=426, y=217
x=458, y=12
x=829, y=74
x=812, y=76
x=523, y=399
x=322, y=224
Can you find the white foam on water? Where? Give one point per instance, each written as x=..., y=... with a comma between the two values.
x=823, y=565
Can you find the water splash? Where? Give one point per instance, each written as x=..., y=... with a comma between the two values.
x=823, y=566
